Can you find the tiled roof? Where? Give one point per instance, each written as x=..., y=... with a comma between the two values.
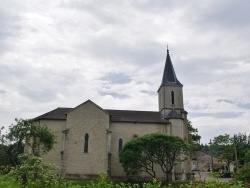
x=115, y=116
x=169, y=76
x=56, y=114
x=173, y=115
x=136, y=116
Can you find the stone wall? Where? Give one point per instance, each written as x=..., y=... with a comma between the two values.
x=56, y=127
x=127, y=131
x=165, y=99
x=89, y=119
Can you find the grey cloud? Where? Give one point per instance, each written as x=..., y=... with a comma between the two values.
x=101, y=11
x=152, y=93
x=2, y=91
x=204, y=70
x=226, y=115
x=244, y=105
x=5, y=24
x=6, y=70
x=9, y=28
x=11, y=75
x=195, y=107
x=113, y=94
x=145, y=53
x=239, y=104
x=156, y=6
x=115, y=78
x=219, y=115
x=233, y=14
x=226, y=101
x=39, y=95
x=199, y=114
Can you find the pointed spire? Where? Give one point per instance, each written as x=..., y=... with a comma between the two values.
x=169, y=77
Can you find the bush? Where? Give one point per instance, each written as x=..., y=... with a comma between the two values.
x=5, y=169
x=243, y=174
x=34, y=173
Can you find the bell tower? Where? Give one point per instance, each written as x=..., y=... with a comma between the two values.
x=170, y=93
x=170, y=96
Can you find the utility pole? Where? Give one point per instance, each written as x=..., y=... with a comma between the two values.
x=1, y=134
x=212, y=158
x=235, y=153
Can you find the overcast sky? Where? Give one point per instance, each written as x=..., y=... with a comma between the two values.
x=61, y=53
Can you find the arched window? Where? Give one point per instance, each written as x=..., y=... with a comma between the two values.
x=172, y=97
x=120, y=144
x=86, y=143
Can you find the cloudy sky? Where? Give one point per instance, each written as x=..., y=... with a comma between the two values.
x=61, y=53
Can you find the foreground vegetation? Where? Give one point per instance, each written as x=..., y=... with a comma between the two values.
x=34, y=173
x=102, y=182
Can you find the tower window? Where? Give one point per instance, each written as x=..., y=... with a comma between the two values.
x=120, y=144
x=172, y=97
x=86, y=143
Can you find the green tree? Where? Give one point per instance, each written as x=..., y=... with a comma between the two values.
x=39, y=138
x=242, y=145
x=222, y=148
x=205, y=148
x=145, y=152
x=9, y=153
x=193, y=137
x=243, y=174
x=193, y=132
x=247, y=156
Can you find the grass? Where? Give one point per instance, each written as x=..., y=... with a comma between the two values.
x=215, y=174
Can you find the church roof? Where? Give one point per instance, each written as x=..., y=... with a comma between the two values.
x=169, y=76
x=173, y=115
x=136, y=116
x=56, y=114
x=115, y=116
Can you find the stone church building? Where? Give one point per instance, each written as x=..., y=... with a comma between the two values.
x=89, y=137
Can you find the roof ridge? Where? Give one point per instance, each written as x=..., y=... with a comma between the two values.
x=132, y=110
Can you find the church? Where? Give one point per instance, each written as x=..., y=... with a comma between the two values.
x=89, y=137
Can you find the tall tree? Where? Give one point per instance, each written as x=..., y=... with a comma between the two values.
x=144, y=153
x=242, y=156
x=39, y=138
x=242, y=145
x=222, y=148
x=193, y=137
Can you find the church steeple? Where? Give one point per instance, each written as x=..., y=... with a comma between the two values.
x=170, y=92
x=169, y=76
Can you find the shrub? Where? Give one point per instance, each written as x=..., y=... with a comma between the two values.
x=5, y=169
x=33, y=172
x=243, y=174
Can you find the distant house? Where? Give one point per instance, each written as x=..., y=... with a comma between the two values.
x=206, y=162
x=89, y=137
